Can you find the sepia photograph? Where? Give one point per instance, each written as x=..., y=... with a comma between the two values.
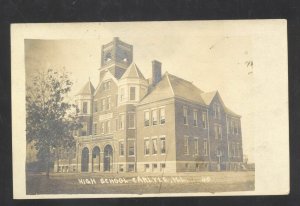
x=150, y=108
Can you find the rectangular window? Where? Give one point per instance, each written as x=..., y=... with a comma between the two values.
x=131, y=148
x=106, y=85
x=122, y=94
x=196, y=146
x=121, y=148
x=185, y=116
x=102, y=127
x=147, y=167
x=233, y=150
x=132, y=93
x=236, y=127
x=121, y=168
x=95, y=106
x=84, y=109
x=146, y=119
x=154, y=146
x=147, y=146
x=217, y=111
x=204, y=120
x=218, y=131
x=162, y=116
x=122, y=122
x=205, y=148
x=195, y=118
x=231, y=126
x=131, y=120
x=162, y=166
x=186, y=145
x=95, y=129
x=238, y=149
x=131, y=168
x=108, y=103
x=162, y=145
x=154, y=117
x=154, y=167
x=84, y=130
x=102, y=104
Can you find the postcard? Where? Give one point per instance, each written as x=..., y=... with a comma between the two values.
x=150, y=109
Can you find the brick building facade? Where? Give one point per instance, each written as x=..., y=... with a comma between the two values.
x=160, y=124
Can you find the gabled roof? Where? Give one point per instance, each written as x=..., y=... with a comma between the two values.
x=107, y=75
x=88, y=88
x=185, y=89
x=208, y=97
x=133, y=72
x=230, y=112
x=172, y=86
x=162, y=90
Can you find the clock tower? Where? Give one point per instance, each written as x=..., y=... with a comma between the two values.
x=116, y=56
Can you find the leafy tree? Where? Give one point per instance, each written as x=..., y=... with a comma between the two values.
x=50, y=119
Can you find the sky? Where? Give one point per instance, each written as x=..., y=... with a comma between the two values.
x=213, y=57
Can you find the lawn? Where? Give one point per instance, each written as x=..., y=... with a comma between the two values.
x=133, y=183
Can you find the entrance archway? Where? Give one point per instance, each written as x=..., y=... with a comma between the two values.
x=85, y=160
x=108, y=158
x=96, y=159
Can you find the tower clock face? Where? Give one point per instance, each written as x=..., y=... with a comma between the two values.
x=107, y=57
x=125, y=57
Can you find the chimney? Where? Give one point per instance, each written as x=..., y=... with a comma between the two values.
x=156, y=72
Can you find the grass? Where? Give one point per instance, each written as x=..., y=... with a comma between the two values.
x=191, y=182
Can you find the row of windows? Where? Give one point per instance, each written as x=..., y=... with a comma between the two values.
x=130, y=168
x=106, y=85
x=132, y=94
x=154, y=167
x=152, y=146
x=66, y=169
x=195, y=142
x=158, y=116
x=105, y=126
x=195, y=118
x=105, y=104
x=131, y=148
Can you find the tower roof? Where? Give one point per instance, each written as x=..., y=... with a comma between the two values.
x=88, y=88
x=133, y=72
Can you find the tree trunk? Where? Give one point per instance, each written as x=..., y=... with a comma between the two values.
x=48, y=158
x=47, y=168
